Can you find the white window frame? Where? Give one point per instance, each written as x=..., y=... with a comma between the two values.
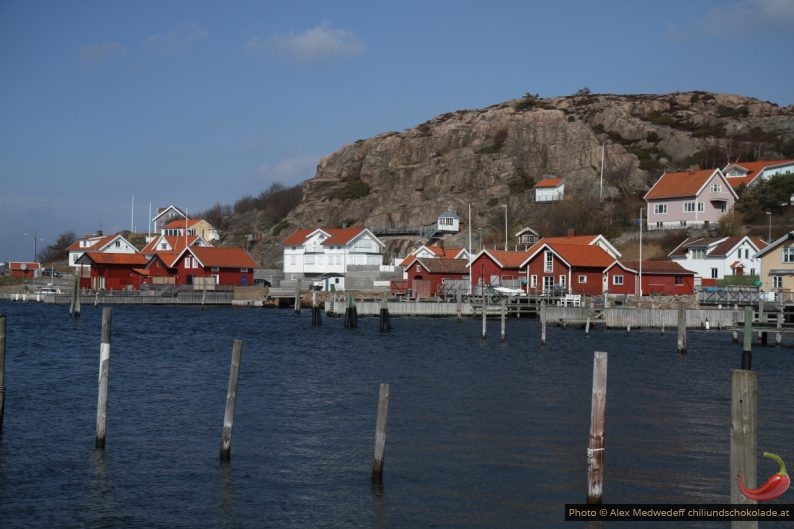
x=617, y=279
x=787, y=254
x=548, y=262
x=660, y=209
x=777, y=282
x=582, y=279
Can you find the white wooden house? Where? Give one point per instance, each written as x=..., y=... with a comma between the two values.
x=714, y=258
x=550, y=190
x=330, y=251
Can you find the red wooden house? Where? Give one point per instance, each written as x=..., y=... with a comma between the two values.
x=209, y=266
x=497, y=267
x=666, y=278
x=425, y=276
x=112, y=271
x=24, y=270
x=558, y=268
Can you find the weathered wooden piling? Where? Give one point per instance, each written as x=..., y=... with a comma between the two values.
x=681, y=327
x=543, y=322
x=74, y=309
x=317, y=318
x=459, y=306
x=747, y=343
x=504, y=318
x=779, y=326
x=380, y=433
x=231, y=401
x=104, y=376
x=744, y=436
x=384, y=319
x=297, y=296
x=587, y=327
x=2, y=368
x=595, y=448
x=484, y=317
x=351, y=316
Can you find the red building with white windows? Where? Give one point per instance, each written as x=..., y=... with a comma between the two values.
x=666, y=278
x=426, y=276
x=566, y=268
x=112, y=271
x=207, y=266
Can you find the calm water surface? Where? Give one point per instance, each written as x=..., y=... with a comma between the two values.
x=481, y=434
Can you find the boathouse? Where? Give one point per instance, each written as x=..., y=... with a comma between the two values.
x=206, y=267
x=664, y=278
x=426, y=277
x=112, y=271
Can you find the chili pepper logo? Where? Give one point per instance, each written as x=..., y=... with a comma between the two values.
x=774, y=487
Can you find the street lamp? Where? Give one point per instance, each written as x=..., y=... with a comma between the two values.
x=769, y=237
x=505, y=206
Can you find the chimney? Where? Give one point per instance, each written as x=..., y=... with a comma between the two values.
x=570, y=233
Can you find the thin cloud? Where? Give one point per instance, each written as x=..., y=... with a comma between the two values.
x=752, y=15
x=180, y=40
x=290, y=171
x=319, y=43
x=102, y=53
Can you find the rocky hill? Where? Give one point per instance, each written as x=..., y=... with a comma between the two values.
x=493, y=156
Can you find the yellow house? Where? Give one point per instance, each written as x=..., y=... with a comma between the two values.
x=777, y=266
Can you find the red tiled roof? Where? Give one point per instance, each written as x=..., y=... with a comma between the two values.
x=752, y=170
x=680, y=184
x=549, y=182
x=26, y=265
x=335, y=236
x=180, y=223
x=177, y=242
x=438, y=251
x=508, y=259
x=115, y=258
x=582, y=255
x=222, y=257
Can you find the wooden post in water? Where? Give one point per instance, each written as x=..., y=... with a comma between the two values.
x=484, y=323
x=595, y=448
x=744, y=438
x=351, y=316
x=2, y=368
x=779, y=326
x=380, y=433
x=587, y=327
x=504, y=318
x=681, y=327
x=74, y=310
x=543, y=322
x=231, y=402
x=298, y=296
x=104, y=376
x=317, y=318
x=747, y=344
x=385, y=320
x=459, y=305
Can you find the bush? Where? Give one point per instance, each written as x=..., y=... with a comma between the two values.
x=353, y=190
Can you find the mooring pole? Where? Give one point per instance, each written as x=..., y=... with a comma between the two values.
x=297, y=296
x=104, y=376
x=484, y=324
x=380, y=433
x=595, y=449
x=74, y=310
x=744, y=438
x=681, y=327
x=231, y=402
x=747, y=343
x=2, y=368
x=504, y=318
x=543, y=322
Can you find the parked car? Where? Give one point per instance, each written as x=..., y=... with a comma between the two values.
x=50, y=272
x=50, y=290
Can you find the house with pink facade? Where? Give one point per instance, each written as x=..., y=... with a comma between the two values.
x=688, y=199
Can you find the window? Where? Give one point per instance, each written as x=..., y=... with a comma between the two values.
x=716, y=188
x=562, y=282
x=777, y=281
x=118, y=244
x=660, y=209
x=244, y=270
x=533, y=281
x=418, y=268
x=714, y=273
x=215, y=269
x=788, y=254
x=679, y=280
x=697, y=253
x=582, y=278
x=723, y=207
x=549, y=262
x=689, y=207
x=617, y=279
x=548, y=283
x=659, y=225
x=701, y=206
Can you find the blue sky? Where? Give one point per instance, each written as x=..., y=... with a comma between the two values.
x=193, y=103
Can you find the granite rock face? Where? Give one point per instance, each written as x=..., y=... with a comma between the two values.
x=487, y=157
